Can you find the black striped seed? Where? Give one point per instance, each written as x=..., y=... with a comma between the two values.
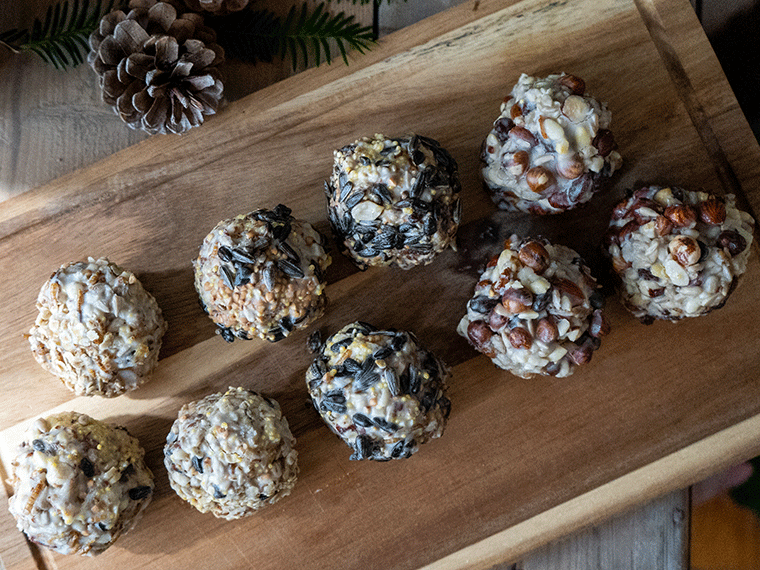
x=87, y=468
x=362, y=420
x=198, y=463
x=137, y=493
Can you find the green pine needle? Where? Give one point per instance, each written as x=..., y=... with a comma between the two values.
x=61, y=38
x=259, y=35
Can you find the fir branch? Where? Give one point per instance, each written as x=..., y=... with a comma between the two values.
x=61, y=38
x=259, y=35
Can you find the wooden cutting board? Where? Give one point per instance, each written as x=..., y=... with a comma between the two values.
x=522, y=461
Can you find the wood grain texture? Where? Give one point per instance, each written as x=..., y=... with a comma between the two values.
x=514, y=449
x=642, y=539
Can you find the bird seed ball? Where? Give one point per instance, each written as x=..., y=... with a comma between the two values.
x=97, y=329
x=379, y=390
x=231, y=454
x=262, y=274
x=677, y=253
x=536, y=310
x=550, y=148
x=394, y=201
x=78, y=483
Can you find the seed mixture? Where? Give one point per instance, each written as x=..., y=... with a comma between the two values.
x=97, y=329
x=262, y=274
x=78, y=483
x=536, y=310
x=677, y=253
x=394, y=201
x=231, y=454
x=379, y=390
x=550, y=148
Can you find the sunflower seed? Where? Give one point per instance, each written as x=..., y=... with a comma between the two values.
x=419, y=184
x=382, y=192
x=289, y=268
x=286, y=324
x=285, y=248
x=226, y=333
x=314, y=342
x=329, y=406
x=329, y=190
x=354, y=199
x=263, y=497
x=268, y=276
x=388, y=150
x=382, y=352
x=87, y=468
x=227, y=276
x=345, y=190
x=225, y=254
x=541, y=301
x=362, y=447
x=218, y=492
x=364, y=161
x=398, y=341
x=427, y=401
x=415, y=378
x=393, y=383
x=418, y=157
x=336, y=346
x=137, y=493
x=282, y=212
x=242, y=275
x=397, y=450
x=403, y=382
x=362, y=420
x=281, y=230
x=336, y=396
x=430, y=226
x=352, y=366
x=242, y=256
x=38, y=445
x=317, y=370
x=384, y=424
x=198, y=463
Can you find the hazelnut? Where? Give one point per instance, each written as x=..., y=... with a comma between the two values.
x=712, y=211
x=517, y=300
x=570, y=168
x=539, y=179
x=681, y=215
x=663, y=226
x=534, y=255
x=515, y=111
x=570, y=290
x=496, y=321
x=546, y=330
x=630, y=227
x=600, y=326
x=502, y=127
x=604, y=141
x=575, y=108
x=685, y=250
x=520, y=338
x=581, y=354
x=516, y=163
x=523, y=134
x=479, y=334
x=732, y=242
x=575, y=84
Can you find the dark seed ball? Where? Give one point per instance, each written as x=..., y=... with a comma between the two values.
x=406, y=189
x=390, y=391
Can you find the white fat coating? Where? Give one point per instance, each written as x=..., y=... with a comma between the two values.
x=78, y=483
x=244, y=448
x=97, y=328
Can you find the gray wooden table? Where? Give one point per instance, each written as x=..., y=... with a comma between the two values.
x=53, y=122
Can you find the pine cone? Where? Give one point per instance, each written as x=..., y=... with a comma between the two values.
x=219, y=7
x=158, y=69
